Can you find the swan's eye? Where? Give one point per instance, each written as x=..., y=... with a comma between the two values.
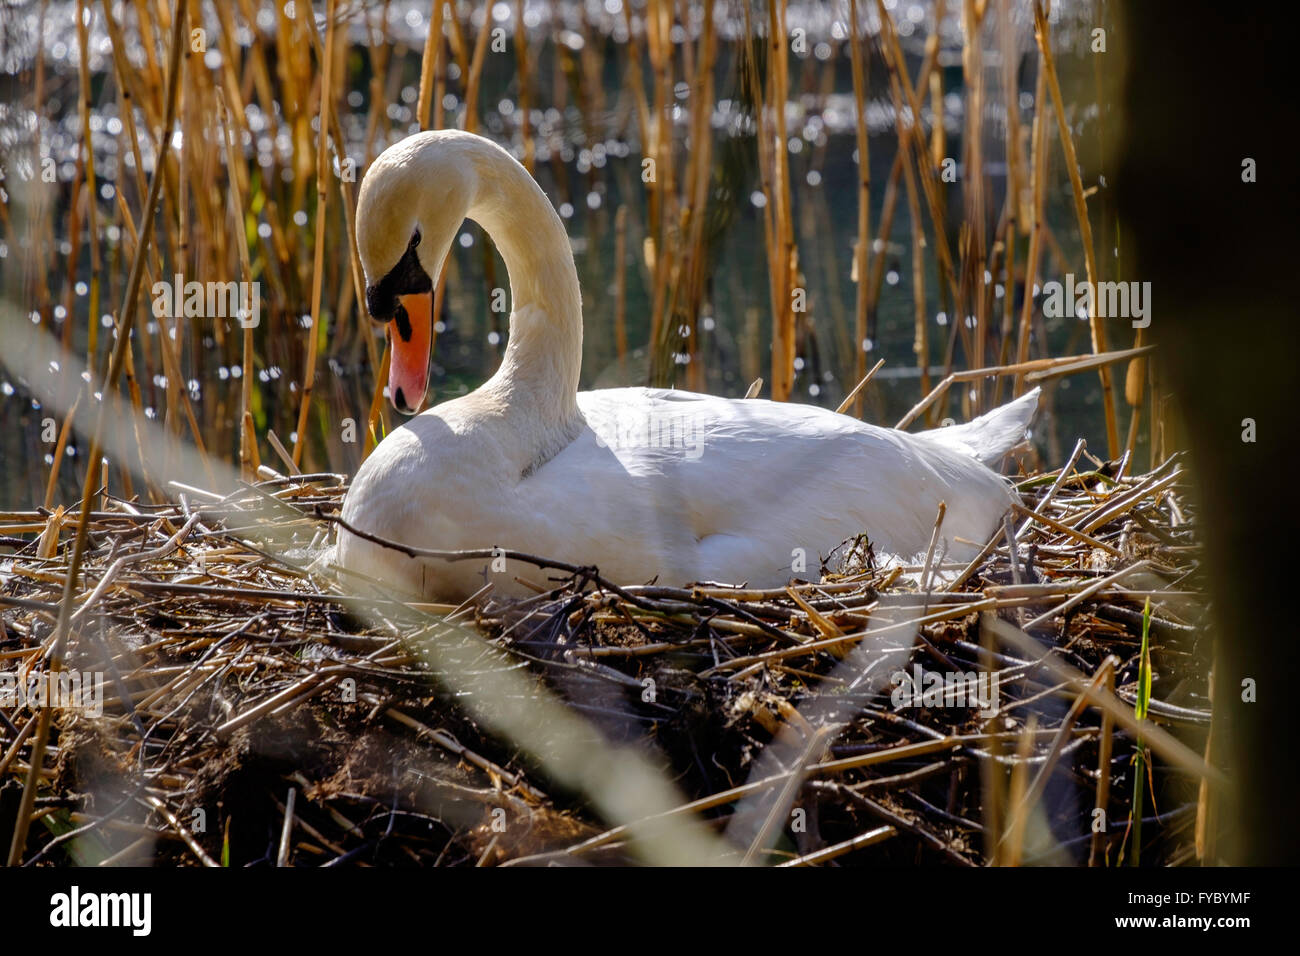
x=407, y=277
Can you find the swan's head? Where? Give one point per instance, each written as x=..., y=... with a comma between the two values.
x=413, y=200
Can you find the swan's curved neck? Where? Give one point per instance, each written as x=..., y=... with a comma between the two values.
x=538, y=377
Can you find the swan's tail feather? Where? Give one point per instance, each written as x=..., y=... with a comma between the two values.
x=993, y=434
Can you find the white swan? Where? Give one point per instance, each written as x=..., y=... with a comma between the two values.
x=642, y=483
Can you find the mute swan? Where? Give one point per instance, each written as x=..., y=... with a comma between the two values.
x=640, y=482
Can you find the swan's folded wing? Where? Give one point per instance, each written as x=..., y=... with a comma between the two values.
x=785, y=476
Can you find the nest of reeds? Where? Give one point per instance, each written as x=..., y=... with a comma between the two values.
x=256, y=712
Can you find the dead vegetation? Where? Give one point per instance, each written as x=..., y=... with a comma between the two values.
x=254, y=712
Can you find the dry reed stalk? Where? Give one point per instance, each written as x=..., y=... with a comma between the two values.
x=74, y=249
x=440, y=72
x=348, y=199
x=525, y=88
x=1038, y=188
x=634, y=81
x=898, y=74
x=912, y=144
x=323, y=172
x=1015, y=186
x=732, y=794
x=231, y=97
x=926, y=582
x=974, y=265
x=1135, y=379
x=1043, y=35
x=559, y=97
x=1134, y=392
x=473, y=72
x=180, y=830
x=284, y=455
x=620, y=284
x=375, y=413
x=1014, y=836
x=380, y=51
x=293, y=64
x=1207, y=822
x=171, y=363
x=1064, y=529
x=35, y=275
x=887, y=215
x=428, y=66
x=1104, y=678
x=173, y=338
x=686, y=296
x=659, y=149
x=246, y=430
x=1156, y=737
x=1039, y=369
x=456, y=40
x=120, y=347
x=993, y=782
x=137, y=405
x=921, y=341
x=862, y=840
x=475, y=77
x=154, y=82
x=92, y=191
x=60, y=447
x=853, y=396
x=591, y=86
x=1159, y=433
x=702, y=163
x=861, y=249
x=815, y=746
x=286, y=831
x=1097, y=851
x=938, y=135
x=784, y=318
x=771, y=241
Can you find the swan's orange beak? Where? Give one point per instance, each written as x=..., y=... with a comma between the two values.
x=410, y=333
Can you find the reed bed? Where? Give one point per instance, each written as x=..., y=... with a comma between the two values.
x=259, y=710
x=732, y=257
